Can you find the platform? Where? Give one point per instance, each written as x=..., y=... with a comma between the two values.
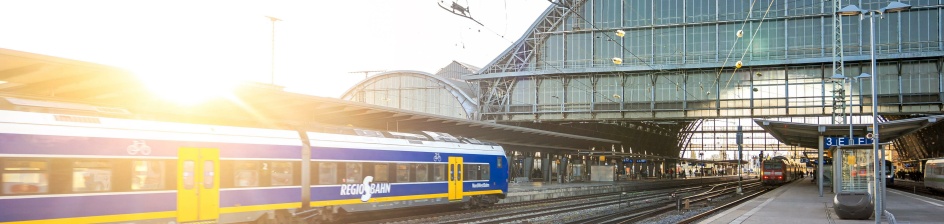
x=529, y=191
x=799, y=202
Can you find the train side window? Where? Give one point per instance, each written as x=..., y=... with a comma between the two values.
x=25, y=177
x=281, y=173
x=484, y=172
x=188, y=174
x=147, y=175
x=439, y=172
x=381, y=172
x=327, y=173
x=403, y=173
x=353, y=173
x=471, y=172
x=91, y=176
x=209, y=171
x=422, y=173
x=246, y=174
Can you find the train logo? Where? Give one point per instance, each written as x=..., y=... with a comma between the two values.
x=480, y=185
x=139, y=146
x=437, y=158
x=366, y=189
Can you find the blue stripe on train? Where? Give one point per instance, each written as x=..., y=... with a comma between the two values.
x=19, y=209
x=231, y=198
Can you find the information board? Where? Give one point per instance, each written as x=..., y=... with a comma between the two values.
x=831, y=141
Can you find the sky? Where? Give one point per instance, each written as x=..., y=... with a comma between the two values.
x=317, y=43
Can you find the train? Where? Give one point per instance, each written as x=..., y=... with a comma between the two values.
x=66, y=168
x=779, y=170
x=934, y=175
x=889, y=173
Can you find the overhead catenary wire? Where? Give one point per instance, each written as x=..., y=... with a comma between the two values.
x=734, y=45
x=749, y=43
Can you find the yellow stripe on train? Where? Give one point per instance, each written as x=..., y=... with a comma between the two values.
x=105, y=218
x=236, y=209
x=251, y=208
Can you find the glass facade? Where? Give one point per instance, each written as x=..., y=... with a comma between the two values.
x=415, y=91
x=668, y=31
x=678, y=60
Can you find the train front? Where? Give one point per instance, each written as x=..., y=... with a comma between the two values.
x=773, y=172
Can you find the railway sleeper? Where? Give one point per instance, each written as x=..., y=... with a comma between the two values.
x=315, y=215
x=482, y=201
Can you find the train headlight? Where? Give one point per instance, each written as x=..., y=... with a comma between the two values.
x=888, y=176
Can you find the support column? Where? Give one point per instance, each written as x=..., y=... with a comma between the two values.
x=562, y=169
x=528, y=165
x=546, y=167
x=819, y=162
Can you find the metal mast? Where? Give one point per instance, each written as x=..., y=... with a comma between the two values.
x=839, y=94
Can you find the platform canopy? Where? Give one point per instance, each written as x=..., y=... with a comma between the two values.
x=805, y=135
x=26, y=78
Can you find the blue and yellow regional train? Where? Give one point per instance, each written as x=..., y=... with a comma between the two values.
x=59, y=168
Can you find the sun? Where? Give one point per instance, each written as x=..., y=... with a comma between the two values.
x=187, y=86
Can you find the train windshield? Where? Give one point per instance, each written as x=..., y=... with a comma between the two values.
x=773, y=166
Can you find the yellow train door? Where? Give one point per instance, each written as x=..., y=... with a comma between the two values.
x=455, y=178
x=198, y=188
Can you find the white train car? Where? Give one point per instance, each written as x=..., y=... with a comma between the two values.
x=58, y=168
x=934, y=175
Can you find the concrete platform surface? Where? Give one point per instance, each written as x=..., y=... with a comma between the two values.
x=799, y=202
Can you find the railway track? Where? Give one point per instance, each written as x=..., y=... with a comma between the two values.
x=915, y=188
x=499, y=212
x=633, y=206
x=640, y=214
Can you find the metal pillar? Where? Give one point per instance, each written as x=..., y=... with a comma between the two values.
x=819, y=166
x=875, y=133
x=546, y=167
x=528, y=166
x=839, y=102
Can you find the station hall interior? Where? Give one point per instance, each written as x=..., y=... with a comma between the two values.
x=654, y=93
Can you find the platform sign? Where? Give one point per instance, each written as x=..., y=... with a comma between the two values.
x=831, y=141
x=627, y=160
x=640, y=161
x=804, y=160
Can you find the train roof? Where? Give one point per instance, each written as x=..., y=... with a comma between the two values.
x=132, y=128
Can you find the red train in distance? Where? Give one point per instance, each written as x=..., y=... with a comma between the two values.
x=780, y=170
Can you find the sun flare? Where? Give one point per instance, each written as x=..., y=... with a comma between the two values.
x=187, y=88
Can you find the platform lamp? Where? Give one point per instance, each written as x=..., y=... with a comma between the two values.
x=853, y=10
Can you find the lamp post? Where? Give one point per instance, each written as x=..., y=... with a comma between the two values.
x=853, y=10
x=273, y=19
